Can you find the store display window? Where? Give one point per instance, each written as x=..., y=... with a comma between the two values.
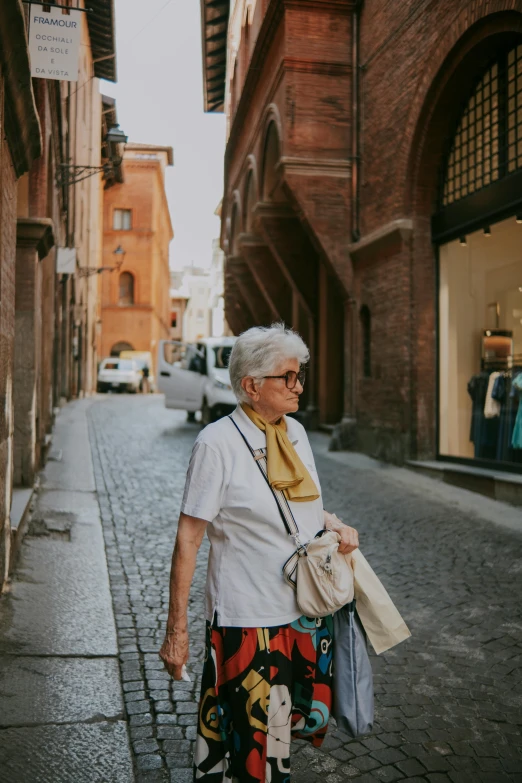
x=480, y=345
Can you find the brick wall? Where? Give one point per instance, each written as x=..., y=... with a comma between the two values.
x=418, y=62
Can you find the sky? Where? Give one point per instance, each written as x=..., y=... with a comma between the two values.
x=159, y=100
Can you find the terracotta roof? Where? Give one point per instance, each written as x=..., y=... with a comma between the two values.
x=214, y=27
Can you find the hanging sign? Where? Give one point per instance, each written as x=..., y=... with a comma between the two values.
x=66, y=261
x=54, y=42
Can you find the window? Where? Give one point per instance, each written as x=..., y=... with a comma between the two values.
x=126, y=289
x=122, y=219
x=222, y=356
x=200, y=315
x=174, y=320
x=486, y=145
x=366, y=329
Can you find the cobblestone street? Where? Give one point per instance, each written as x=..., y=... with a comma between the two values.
x=448, y=701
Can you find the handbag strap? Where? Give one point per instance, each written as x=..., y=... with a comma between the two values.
x=290, y=567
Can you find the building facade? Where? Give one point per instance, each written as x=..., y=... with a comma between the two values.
x=218, y=324
x=137, y=230
x=52, y=132
x=178, y=304
x=197, y=319
x=373, y=200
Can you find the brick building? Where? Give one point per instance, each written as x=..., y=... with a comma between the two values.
x=54, y=148
x=135, y=301
x=372, y=185
x=20, y=144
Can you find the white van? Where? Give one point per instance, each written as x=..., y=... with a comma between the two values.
x=194, y=377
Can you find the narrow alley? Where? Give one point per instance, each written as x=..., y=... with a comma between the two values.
x=79, y=673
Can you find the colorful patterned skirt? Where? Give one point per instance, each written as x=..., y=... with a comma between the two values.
x=262, y=687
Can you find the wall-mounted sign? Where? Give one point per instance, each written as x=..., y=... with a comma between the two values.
x=66, y=261
x=54, y=42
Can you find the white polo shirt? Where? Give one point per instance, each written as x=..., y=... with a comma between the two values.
x=248, y=541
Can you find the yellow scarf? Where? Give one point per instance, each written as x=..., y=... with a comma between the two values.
x=285, y=469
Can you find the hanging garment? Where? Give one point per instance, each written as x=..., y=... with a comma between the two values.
x=491, y=405
x=507, y=396
x=484, y=432
x=516, y=440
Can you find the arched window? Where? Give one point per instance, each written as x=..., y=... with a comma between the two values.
x=126, y=296
x=270, y=161
x=488, y=141
x=249, y=201
x=366, y=334
x=234, y=228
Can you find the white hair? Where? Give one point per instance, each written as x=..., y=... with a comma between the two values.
x=258, y=352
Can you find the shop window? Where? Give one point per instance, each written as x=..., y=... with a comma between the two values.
x=126, y=296
x=366, y=334
x=122, y=219
x=480, y=339
x=486, y=145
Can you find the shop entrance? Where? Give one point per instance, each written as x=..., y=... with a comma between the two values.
x=480, y=274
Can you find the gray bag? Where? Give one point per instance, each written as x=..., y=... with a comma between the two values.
x=352, y=674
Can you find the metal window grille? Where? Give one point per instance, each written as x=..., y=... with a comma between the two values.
x=488, y=142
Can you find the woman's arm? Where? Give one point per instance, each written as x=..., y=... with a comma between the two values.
x=175, y=649
x=349, y=536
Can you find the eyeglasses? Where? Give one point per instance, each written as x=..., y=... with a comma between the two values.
x=291, y=377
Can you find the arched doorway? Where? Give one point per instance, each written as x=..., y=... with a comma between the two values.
x=477, y=227
x=117, y=348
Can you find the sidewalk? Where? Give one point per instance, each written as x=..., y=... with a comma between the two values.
x=61, y=707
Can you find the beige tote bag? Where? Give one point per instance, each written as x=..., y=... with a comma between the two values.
x=381, y=620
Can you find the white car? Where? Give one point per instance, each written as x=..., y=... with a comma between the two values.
x=122, y=375
x=194, y=377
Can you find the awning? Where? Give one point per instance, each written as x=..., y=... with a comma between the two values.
x=101, y=31
x=214, y=27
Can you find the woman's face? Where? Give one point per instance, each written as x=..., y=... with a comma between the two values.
x=272, y=398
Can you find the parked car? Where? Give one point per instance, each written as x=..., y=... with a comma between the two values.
x=122, y=375
x=194, y=377
x=143, y=359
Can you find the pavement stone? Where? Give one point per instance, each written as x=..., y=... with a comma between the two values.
x=38, y=690
x=80, y=753
x=448, y=701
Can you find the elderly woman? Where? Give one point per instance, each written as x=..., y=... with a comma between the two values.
x=267, y=672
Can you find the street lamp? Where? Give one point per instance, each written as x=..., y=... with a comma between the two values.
x=68, y=174
x=116, y=136
x=119, y=257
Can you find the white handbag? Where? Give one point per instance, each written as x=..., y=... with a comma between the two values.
x=321, y=576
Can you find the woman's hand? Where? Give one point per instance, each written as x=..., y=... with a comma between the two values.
x=175, y=651
x=349, y=535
